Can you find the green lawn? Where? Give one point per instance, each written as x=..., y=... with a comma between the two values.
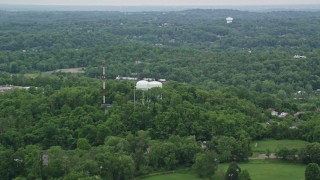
x=271, y=169
x=258, y=170
x=50, y=73
x=174, y=176
x=260, y=147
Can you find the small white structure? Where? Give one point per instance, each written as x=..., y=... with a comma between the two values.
x=229, y=20
x=10, y=87
x=204, y=144
x=293, y=127
x=126, y=78
x=148, y=79
x=274, y=113
x=145, y=85
x=299, y=57
x=284, y=115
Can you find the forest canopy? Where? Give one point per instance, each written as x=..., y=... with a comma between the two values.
x=226, y=85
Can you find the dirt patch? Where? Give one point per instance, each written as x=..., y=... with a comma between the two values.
x=71, y=70
x=264, y=156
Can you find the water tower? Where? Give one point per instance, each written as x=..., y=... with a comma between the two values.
x=144, y=85
x=229, y=20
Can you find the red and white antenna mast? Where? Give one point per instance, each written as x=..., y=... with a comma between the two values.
x=103, y=78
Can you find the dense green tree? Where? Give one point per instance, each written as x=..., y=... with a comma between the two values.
x=115, y=165
x=32, y=162
x=206, y=164
x=312, y=172
x=310, y=153
x=163, y=155
x=223, y=79
x=83, y=144
x=233, y=172
x=244, y=175
x=10, y=165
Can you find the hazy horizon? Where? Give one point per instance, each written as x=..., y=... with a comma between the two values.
x=159, y=2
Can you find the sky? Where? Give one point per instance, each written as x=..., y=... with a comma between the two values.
x=160, y=2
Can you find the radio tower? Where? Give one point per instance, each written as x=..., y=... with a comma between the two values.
x=103, y=78
x=104, y=105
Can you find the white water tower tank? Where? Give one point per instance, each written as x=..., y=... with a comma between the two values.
x=145, y=85
x=154, y=84
x=142, y=85
x=229, y=20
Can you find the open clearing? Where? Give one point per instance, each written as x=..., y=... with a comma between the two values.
x=258, y=170
x=271, y=169
x=174, y=176
x=48, y=73
x=260, y=147
x=70, y=70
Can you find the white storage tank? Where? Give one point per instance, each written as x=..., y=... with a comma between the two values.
x=145, y=85
x=142, y=85
x=154, y=84
x=229, y=20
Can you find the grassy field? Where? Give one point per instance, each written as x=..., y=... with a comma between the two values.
x=260, y=147
x=258, y=170
x=174, y=176
x=270, y=169
x=50, y=73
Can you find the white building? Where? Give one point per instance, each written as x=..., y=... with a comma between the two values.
x=299, y=57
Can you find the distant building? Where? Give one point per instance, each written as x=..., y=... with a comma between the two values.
x=299, y=114
x=127, y=78
x=159, y=45
x=299, y=57
x=45, y=158
x=274, y=113
x=148, y=79
x=5, y=88
x=172, y=41
x=10, y=87
x=204, y=145
x=284, y=115
x=269, y=123
x=165, y=24
x=293, y=127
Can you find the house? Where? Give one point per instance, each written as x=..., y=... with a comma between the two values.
x=204, y=144
x=274, y=113
x=9, y=87
x=269, y=123
x=293, y=127
x=126, y=78
x=148, y=79
x=299, y=57
x=284, y=115
x=5, y=88
x=45, y=158
x=299, y=114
